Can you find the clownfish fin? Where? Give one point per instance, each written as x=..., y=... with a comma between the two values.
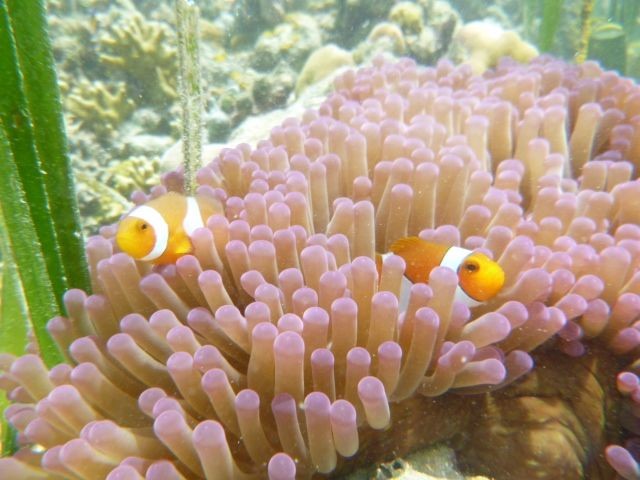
x=184, y=246
x=406, y=244
x=420, y=257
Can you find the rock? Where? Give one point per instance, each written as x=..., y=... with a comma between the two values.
x=144, y=144
x=217, y=124
x=256, y=127
x=271, y=91
x=290, y=42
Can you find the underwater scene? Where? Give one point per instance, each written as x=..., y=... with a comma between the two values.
x=307, y=239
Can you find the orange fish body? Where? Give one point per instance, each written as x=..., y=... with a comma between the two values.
x=159, y=230
x=479, y=277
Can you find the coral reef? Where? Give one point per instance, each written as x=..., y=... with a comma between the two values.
x=253, y=54
x=98, y=201
x=384, y=37
x=408, y=16
x=144, y=53
x=290, y=43
x=320, y=64
x=253, y=16
x=103, y=194
x=277, y=349
x=407, y=33
x=482, y=43
x=355, y=18
x=272, y=91
x=73, y=43
x=136, y=173
x=116, y=74
x=99, y=107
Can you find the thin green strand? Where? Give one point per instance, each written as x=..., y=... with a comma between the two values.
x=187, y=17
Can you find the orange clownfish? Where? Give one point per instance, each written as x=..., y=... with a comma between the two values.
x=479, y=277
x=159, y=230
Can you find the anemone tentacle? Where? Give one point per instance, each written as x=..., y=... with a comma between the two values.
x=276, y=349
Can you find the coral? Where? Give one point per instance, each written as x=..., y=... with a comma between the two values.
x=355, y=18
x=136, y=173
x=320, y=64
x=290, y=42
x=212, y=32
x=408, y=16
x=143, y=52
x=103, y=193
x=217, y=125
x=271, y=91
x=73, y=42
x=428, y=45
x=252, y=17
x=442, y=23
x=99, y=107
x=482, y=43
x=406, y=34
x=277, y=348
x=74, y=6
x=384, y=37
x=237, y=103
x=98, y=202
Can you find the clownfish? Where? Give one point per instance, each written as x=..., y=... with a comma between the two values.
x=479, y=277
x=159, y=230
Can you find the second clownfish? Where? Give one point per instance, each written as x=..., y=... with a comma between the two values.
x=159, y=230
x=479, y=277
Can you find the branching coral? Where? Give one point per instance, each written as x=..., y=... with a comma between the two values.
x=277, y=349
x=141, y=49
x=98, y=201
x=103, y=194
x=99, y=107
x=74, y=42
x=136, y=173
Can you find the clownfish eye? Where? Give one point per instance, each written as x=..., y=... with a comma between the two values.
x=471, y=266
x=144, y=226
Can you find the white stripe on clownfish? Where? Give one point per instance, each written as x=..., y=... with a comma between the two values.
x=193, y=218
x=454, y=257
x=159, y=231
x=479, y=277
x=406, y=284
x=160, y=227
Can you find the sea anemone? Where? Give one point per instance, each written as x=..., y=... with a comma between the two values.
x=277, y=350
